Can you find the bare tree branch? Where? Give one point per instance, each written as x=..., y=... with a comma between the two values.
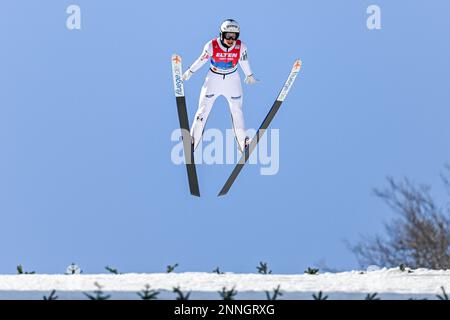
x=419, y=237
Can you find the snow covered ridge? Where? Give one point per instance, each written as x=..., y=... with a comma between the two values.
x=387, y=283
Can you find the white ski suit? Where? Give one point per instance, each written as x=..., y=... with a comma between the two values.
x=222, y=79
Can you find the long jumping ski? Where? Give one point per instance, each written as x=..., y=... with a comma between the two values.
x=177, y=72
x=265, y=124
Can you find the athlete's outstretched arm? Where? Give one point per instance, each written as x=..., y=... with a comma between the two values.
x=206, y=54
x=204, y=57
x=243, y=61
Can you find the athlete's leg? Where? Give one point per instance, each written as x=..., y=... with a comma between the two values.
x=234, y=97
x=206, y=101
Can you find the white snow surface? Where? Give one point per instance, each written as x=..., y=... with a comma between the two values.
x=387, y=283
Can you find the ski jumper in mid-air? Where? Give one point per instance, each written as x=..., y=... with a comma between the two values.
x=224, y=53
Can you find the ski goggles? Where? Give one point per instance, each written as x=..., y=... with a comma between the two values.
x=231, y=35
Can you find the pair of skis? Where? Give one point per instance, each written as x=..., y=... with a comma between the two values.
x=184, y=125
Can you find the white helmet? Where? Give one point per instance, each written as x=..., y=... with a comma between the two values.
x=229, y=25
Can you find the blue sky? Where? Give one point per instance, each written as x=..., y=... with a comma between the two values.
x=86, y=117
